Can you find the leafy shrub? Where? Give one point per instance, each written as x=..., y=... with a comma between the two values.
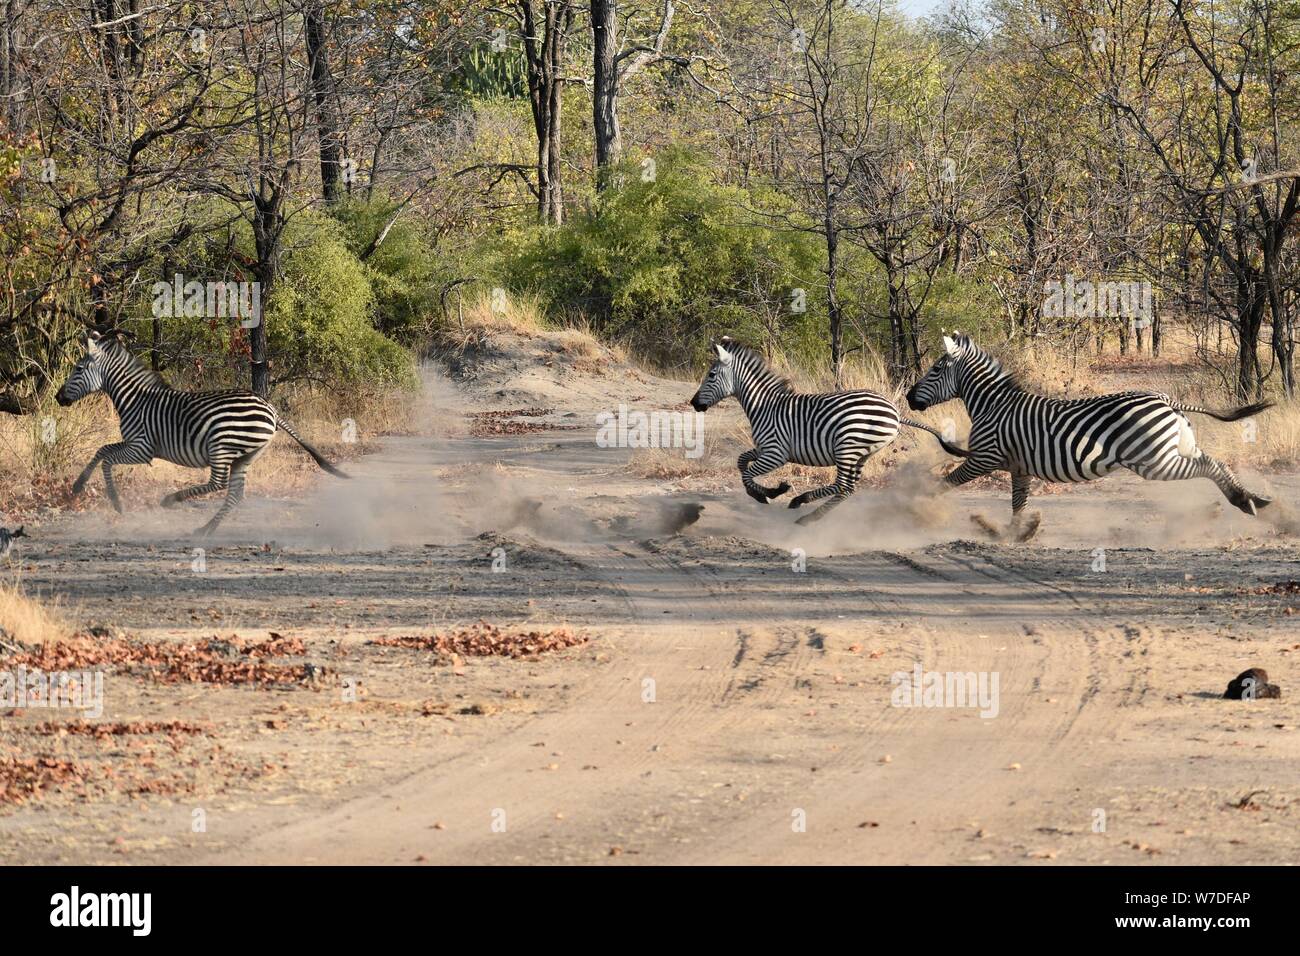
x=404, y=271
x=319, y=320
x=668, y=262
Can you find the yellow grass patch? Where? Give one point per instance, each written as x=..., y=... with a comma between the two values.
x=28, y=621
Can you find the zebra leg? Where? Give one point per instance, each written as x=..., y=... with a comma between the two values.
x=846, y=480
x=842, y=470
x=761, y=464
x=118, y=453
x=219, y=477
x=969, y=470
x=234, y=493
x=1203, y=466
x=1021, y=530
x=111, y=487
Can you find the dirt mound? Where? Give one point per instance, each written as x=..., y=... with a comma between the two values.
x=550, y=368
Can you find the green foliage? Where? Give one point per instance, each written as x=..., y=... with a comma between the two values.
x=319, y=320
x=319, y=317
x=966, y=302
x=404, y=271
x=668, y=260
x=485, y=73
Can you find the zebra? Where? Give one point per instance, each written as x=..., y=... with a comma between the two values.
x=1032, y=436
x=843, y=429
x=222, y=430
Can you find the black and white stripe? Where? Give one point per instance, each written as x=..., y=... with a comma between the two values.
x=842, y=429
x=223, y=430
x=1069, y=439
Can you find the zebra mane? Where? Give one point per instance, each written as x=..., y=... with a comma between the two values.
x=753, y=360
x=142, y=372
x=994, y=365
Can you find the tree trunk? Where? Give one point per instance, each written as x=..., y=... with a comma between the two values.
x=267, y=228
x=328, y=127
x=9, y=66
x=832, y=296
x=604, y=92
x=544, y=50
x=1251, y=317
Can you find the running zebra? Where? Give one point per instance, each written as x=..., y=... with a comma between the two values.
x=843, y=429
x=1069, y=439
x=222, y=430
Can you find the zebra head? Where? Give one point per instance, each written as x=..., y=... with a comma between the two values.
x=720, y=381
x=940, y=385
x=87, y=376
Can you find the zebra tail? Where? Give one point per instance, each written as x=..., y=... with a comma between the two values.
x=317, y=456
x=1233, y=416
x=947, y=445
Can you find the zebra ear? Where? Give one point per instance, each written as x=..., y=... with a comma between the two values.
x=949, y=345
x=724, y=356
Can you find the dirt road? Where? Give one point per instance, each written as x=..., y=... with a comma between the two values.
x=737, y=700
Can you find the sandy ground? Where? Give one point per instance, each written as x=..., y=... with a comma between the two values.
x=726, y=708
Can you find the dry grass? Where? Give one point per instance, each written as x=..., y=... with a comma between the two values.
x=484, y=317
x=485, y=314
x=27, y=621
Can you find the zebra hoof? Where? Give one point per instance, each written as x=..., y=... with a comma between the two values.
x=798, y=502
x=1031, y=528
x=1251, y=504
x=809, y=518
x=757, y=495
x=781, y=489
x=169, y=501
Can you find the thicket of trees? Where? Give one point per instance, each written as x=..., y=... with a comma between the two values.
x=819, y=176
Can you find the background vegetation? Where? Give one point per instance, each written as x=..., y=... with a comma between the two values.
x=826, y=179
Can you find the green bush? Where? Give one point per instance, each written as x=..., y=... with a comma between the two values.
x=404, y=271
x=668, y=262
x=319, y=319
